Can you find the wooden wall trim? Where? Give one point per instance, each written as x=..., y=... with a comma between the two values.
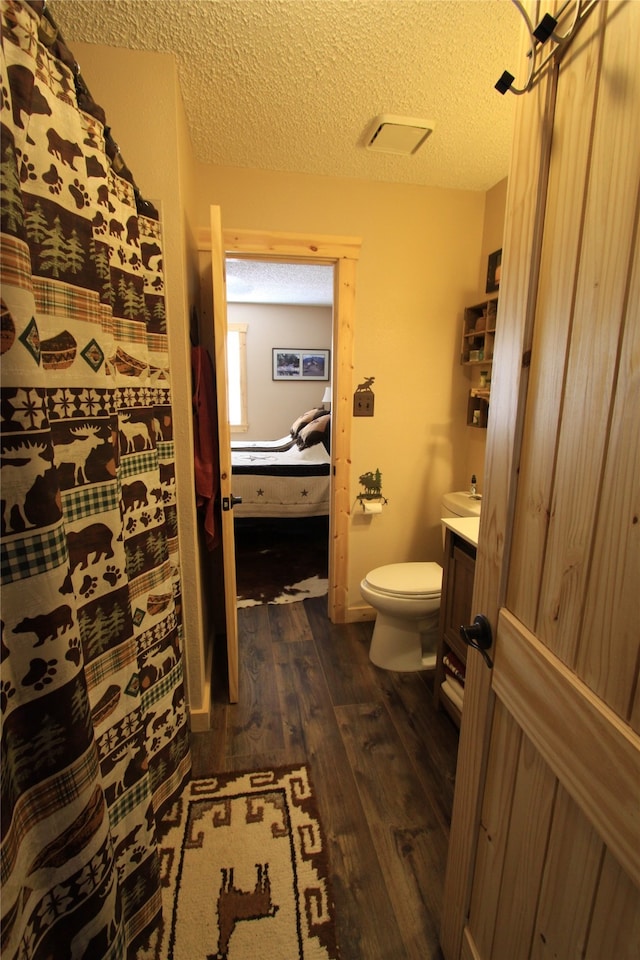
x=266, y=243
x=200, y=718
x=343, y=331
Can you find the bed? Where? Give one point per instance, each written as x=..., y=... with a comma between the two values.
x=287, y=477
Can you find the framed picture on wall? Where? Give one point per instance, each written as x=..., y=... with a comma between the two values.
x=291, y=363
x=493, y=271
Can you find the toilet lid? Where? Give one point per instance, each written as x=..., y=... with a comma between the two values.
x=407, y=579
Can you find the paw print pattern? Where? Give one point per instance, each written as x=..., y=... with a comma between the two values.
x=89, y=585
x=79, y=194
x=131, y=525
x=145, y=519
x=7, y=690
x=4, y=98
x=53, y=179
x=138, y=854
x=111, y=575
x=40, y=673
x=74, y=653
x=27, y=169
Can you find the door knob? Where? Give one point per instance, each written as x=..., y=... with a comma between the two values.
x=479, y=636
x=228, y=503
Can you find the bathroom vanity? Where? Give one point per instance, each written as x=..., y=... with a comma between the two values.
x=461, y=541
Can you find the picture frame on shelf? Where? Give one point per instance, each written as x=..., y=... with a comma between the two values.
x=493, y=271
x=293, y=363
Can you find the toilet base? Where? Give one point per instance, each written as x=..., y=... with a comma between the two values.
x=405, y=646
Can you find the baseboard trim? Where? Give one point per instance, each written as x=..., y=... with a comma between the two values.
x=360, y=613
x=200, y=720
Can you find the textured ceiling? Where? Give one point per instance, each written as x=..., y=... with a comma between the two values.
x=293, y=85
x=255, y=281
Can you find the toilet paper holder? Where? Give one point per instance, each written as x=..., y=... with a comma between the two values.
x=372, y=504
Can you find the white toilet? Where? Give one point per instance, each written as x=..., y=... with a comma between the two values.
x=406, y=597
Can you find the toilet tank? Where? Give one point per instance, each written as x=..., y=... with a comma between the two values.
x=460, y=504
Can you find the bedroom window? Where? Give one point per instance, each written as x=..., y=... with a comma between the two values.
x=237, y=375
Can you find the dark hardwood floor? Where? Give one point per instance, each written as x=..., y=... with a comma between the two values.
x=381, y=760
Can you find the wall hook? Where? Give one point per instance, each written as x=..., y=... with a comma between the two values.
x=544, y=31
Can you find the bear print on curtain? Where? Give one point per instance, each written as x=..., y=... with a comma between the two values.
x=94, y=728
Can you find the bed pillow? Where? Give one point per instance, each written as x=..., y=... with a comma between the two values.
x=306, y=418
x=315, y=432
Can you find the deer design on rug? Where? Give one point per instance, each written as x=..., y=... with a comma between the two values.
x=235, y=905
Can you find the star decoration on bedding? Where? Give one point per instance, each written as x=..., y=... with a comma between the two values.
x=260, y=492
x=304, y=493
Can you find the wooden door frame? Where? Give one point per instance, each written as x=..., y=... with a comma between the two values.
x=343, y=254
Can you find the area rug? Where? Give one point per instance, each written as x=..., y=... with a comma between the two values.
x=281, y=560
x=244, y=871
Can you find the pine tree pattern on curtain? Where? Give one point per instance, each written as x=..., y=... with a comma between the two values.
x=94, y=729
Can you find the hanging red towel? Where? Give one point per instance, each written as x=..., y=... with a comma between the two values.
x=205, y=439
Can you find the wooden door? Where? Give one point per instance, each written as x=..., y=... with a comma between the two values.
x=224, y=441
x=544, y=857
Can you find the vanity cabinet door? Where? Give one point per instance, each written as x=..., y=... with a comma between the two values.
x=459, y=594
x=455, y=610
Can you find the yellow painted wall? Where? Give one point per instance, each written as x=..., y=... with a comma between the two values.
x=419, y=265
x=423, y=252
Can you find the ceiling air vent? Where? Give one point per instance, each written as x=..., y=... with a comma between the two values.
x=400, y=135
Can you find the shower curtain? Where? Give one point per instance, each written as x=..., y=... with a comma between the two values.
x=94, y=729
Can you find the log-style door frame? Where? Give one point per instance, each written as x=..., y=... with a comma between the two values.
x=342, y=253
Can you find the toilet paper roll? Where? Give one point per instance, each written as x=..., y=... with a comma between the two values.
x=372, y=506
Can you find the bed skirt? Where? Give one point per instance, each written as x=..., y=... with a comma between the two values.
x=281, y=496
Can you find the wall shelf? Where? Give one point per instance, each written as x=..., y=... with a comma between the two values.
x=478, y=333
x=478, y=339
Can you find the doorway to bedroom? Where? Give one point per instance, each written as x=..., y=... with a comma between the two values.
x=279, y=361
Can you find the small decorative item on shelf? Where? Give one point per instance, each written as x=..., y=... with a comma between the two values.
x=478, y=407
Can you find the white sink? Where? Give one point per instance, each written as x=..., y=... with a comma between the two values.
x=461, y=503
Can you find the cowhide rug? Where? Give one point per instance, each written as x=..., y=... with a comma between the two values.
x=281, y=561
x=244, y=872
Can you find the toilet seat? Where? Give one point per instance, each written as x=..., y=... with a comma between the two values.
x=420, y=579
